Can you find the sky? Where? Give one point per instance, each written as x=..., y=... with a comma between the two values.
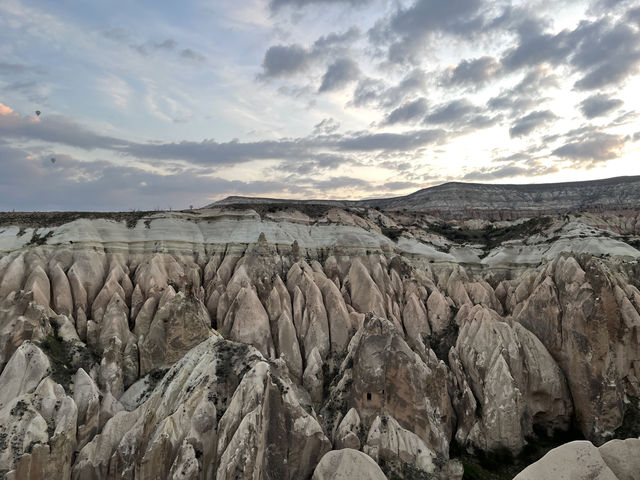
x=164, y=104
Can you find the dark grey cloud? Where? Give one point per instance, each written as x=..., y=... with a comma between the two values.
x=377, y=93
x=598, y=105
x=283, y=60
x=461, y=114
x=407, y=30
x=625, y=118
x=148, y=48
x=607, y=53
x=168, y=44
x=319, y=164
x=289, y=60
x=536, y=80
x=337, y=40
x=276, y=5
x=368, y=92
x=210, y=152
x=602, y=51
x=398, y=166
x=192, y=55
x=509, y=101
x=409, y=112
x=600, y=7
x=18, y=69
x=318, y=147
x=55, y=129
x=633, y=16
x=30, y=183
x=591, y=147
x=451, y=112
x=30, y=89
x=399, y=185
x=473, y=72
x=326, y=126
x=433, y=15
x=301, y=149
x=339, y=74
x=539, y=48
x=526, y=94
x=25, y=86
x=398, y=142
x=334, y=183
x=495, y=174
x=525, y=125
x=527, y=168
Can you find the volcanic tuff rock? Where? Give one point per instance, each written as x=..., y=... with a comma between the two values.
x=615, y=460
x=347, y=464
x=319, y=341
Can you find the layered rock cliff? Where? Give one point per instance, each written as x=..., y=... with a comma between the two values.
x=464, y=200
x=293, y=342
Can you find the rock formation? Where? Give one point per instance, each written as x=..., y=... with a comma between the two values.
x=322, y=341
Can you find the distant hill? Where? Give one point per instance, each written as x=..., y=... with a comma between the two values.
x=457, y=199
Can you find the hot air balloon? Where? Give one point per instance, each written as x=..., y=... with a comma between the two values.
x=53, y=160
x=38, y=113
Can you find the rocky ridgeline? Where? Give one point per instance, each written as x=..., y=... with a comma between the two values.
x=232, y=344
x=496, y=202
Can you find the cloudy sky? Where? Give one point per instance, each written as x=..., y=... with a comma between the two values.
x=152, y=104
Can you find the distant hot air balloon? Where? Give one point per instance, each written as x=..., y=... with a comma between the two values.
x=53, y=160
x=38, y=113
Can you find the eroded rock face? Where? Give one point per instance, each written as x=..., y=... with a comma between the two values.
x=347, y=464
x=382, y=374
x=39, y=433
x=389, y=442
x=177, y=326
x=23, y=373
x=242, y=346
x=513, y=379
x=223, y=402
x=590, y=326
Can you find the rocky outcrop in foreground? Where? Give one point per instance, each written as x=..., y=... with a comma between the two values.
x=235, y=344
x=615, y=460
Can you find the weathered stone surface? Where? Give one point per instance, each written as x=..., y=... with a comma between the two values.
x=346, y=435
x=177, y=326
x=575, y=460
x=514, y=379
x=382, y=373
x=184, y=408
x=347, y=464
x=40, y=428
x=23, y=373
x=622, y=457
x=365, y=294
x=415, y=321
x=389, y=442
x=439, y=311
x=576, y=313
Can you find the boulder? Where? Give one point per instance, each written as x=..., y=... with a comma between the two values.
x=574, y=460
x=347, y=464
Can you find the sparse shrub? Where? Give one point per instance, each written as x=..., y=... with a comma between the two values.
x=392, y=232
